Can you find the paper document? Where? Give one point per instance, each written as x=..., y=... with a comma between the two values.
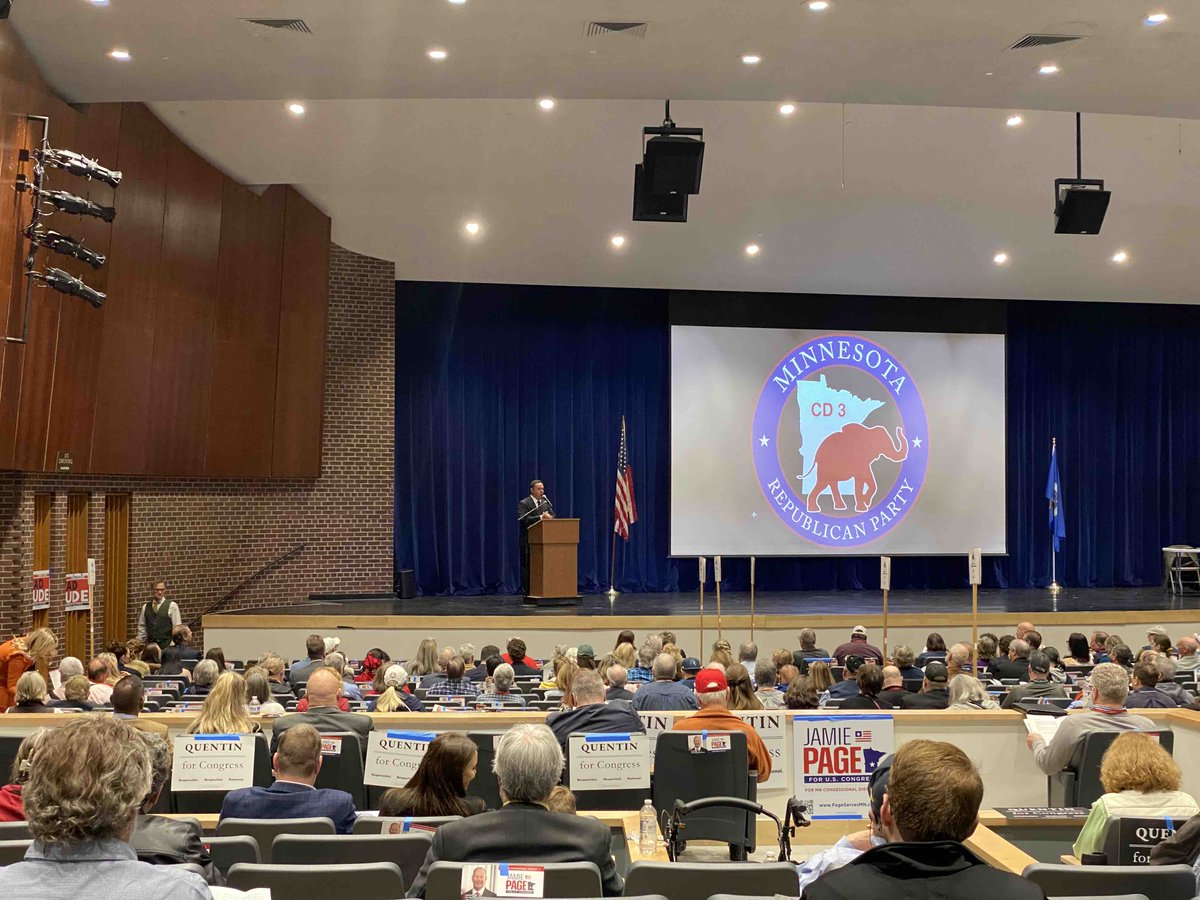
x=1046, y=726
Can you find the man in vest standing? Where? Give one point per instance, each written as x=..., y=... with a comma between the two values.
x=158, y=617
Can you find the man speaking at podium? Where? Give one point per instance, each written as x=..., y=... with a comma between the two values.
x=530, y=511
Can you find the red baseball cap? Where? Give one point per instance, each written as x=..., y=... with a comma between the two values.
x=709, y=681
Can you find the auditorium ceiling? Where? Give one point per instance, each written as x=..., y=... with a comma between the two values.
x=896, y=172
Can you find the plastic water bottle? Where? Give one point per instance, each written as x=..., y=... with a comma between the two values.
x=649, y=828
x=254, y=705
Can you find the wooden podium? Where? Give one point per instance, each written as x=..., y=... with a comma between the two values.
x=553, y=562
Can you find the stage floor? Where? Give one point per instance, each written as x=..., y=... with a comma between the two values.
x=793, y=603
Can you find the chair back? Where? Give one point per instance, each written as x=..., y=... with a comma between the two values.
x=680, y=774
x=9, y=745
x=210, y=801
x=13, y=851
x=1128, y=840
x=408, y=851
x=374, y=825
x=1158, y=882
x=264, y=831
x=229, y=849
x=15, y=831
x=1079, y=783
x=365, y=881
x=485, y=785
x=685, y=881
x=563, y=880
x=343, y=770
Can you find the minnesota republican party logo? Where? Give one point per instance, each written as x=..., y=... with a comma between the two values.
x=840, y=440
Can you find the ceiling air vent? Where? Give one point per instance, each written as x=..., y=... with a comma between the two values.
x=260, y=26
x=626, y=29
x=1044, y=40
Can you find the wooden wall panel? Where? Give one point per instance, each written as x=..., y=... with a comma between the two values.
x=78, y=623
x=122, y=419
x=304, y=300
x=116, y=567
x=181, y=368
x=41, y=547
x=241, y=419
x=73, y=404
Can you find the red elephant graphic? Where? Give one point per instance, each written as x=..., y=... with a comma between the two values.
x=849, y=454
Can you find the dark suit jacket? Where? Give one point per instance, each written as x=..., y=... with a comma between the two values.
x=166, y=842
x=619, y=694
x=938, y=698
x=286, y=800
x=617, y=717
x=524, y=833
x=528, y=505
x=325, y=719
x=1003, y=667
x=302, y=670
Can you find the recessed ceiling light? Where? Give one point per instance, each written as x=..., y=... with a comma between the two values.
x=751, y=59
x=1000, y=258
x=122, y=55
x=1013, y=121
x=296, y=109
x=1049, y=69
x=436, y=53
x=546, y=103
x=786, y=109
x=99, y=2
x=989, y=73
x=1156, y=18
x=753, y=249
x=471, y=228
x=818, y=5
x=458, y=2
x=1120, y=256
x=617, y=240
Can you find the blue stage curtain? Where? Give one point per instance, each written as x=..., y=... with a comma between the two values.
x=498, y=384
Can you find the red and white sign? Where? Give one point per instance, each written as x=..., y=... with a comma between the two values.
x=41, y=589
x=78, y=593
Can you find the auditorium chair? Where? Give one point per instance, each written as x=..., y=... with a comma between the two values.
x=914, y=685
x=344, y=771
x=1079, y=783
x=1156, y=882
x=210, y=801
x=682, y=775
x=9, y=745
x=264, y=831
x=1123, y=843
x=371, y=824
x=13, y=851
x=15, y=831
x=563, y=880
x=371, y=881
x=485, y=785
x=687, y=881
x=408, y=851
x=226, y=850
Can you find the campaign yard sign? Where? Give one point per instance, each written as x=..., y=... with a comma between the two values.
x=655, y=724
x=394, y=756
x=833, y=758
x=608, y=762
x=212, y=762
x=78, y=593
x=771, y=726
x=41, y=589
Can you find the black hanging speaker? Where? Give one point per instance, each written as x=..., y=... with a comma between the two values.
x=673, y=164
x=1080, y=205
x=648, y=207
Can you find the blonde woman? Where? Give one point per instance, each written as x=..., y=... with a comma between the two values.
x=722, y=653
x=112, y=667
x=224, y=709
x=822, y=677
x=1140, y=780
x=426, y=660
x=395, y=696
x=20, y=655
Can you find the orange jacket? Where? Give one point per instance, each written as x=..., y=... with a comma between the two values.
x=724, y=720
x=14, y=663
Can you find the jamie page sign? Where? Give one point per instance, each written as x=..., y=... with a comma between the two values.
x=832, y=761
x=608, y=762
x=41, y=589
x=78, y=593
x=212, y=762
x=502, y=880
x=393, y=757
x=770, y=727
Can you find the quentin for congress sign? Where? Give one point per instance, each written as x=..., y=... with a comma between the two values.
x=832, y=761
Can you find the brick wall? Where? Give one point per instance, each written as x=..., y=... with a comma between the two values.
x=205, y=535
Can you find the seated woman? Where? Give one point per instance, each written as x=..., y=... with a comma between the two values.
x=31, y=695
x=1140, y=779
x=741, y=691
x=396, y=696
x=906, y=663
x=935, y=648
x=1079, y=653
x=224, y=709
x=203, y=678
x=966, y=692
x=801, y=694
x=258, y=693
x=870, y=683
x=12, y=808
x=503, y=679
x=439, y=786
x=75, y=691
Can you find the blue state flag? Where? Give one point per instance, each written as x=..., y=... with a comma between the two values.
x=1058, y=525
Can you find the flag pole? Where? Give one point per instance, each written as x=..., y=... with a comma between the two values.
x=612, y=568
x=1055, y=587
x=717, y=579
x=703, y=575
x=752, y=598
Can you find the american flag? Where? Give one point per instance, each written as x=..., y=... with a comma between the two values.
x=862, y=737
x=624, y=504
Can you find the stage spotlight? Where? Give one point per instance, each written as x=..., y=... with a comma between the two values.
x=672, y=160
x=1079, y=203
x=67, y=246
x=65, y=283
x=69, y=203
x=79, y=165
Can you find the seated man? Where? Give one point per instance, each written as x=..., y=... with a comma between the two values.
x=664, y=692
x=930, y=807
x=935, y=690
x=82, y=817
x=893, y=688
x=323, y=713
x=337, y=662
x=100, y=691
x=528, y=763
x=849, y=847
x=1145, y=693
x=617, y=679
x=161, y=840
x=848, y=686
x=591, y=713
x=128, y=696
x=1015, y=665
x=293, y=795
x=1108, y=714
x=1039, y=684
x=808, y=647
x=314, y=646
x=712, y=694
x=453, y=684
